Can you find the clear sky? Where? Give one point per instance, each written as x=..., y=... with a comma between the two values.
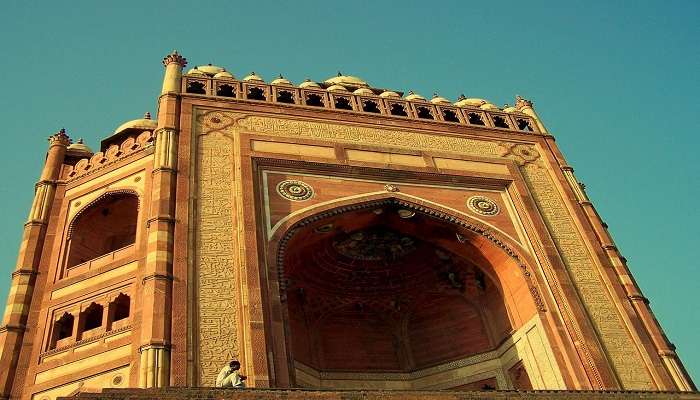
x=616, y=82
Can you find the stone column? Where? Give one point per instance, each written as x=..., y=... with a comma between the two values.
x=154, y=369
x=24, y=277
x=664, y=348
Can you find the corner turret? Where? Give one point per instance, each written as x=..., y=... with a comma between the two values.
x=174, y=63
x=525, y=107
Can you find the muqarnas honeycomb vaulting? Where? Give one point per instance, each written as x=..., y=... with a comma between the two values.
x=330, y=235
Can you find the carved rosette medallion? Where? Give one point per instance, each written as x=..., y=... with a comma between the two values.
x=295, y=190
x=216, y=120
x=522, y=154
x=483, y=205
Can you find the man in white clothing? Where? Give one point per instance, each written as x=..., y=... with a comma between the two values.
x=229, y=376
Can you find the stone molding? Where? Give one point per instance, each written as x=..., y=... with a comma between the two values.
x=91, y=339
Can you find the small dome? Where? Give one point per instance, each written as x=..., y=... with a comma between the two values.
x=509, y=109
x=346, y=80
x=414, y=96
x=462, y=101
x=79, y=148
x=389, y=93
x=308, y=83
x=439, y=100
x=224, y=74
x=337, y=88
x=208, y=69
x=489, y=106
x=196, y=71
x=253, y=77
x=281, y=81
x=364, y=92
x=145, y=123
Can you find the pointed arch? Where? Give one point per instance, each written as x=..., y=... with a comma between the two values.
x=104, y=225
x=100, y=198
x=512, y=305
x=476, y=229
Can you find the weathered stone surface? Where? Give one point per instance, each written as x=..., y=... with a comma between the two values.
x=271, y=394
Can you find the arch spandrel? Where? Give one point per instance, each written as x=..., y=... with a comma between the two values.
x=328, y=190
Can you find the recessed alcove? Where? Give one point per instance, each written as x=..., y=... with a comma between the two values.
x=386, y=293
x=105, y=226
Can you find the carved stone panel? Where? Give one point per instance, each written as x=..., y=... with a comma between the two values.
x=217, y=302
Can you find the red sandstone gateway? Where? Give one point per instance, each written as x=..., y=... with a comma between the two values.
x=330, y=236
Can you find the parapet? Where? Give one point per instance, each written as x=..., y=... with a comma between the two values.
x=351, y=94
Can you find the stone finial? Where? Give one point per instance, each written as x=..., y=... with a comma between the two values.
x=174, y=57
x=60, y=137
x=521, y=103
x=147, y=115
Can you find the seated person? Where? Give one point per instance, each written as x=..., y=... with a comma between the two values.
x=229, y=376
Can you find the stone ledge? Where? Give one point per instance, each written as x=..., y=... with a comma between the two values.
x=176, y=393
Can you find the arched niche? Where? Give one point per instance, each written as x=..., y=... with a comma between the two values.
x=104, y=226
x=395, y=288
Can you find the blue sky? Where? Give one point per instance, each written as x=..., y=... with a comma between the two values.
x=616, y=82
